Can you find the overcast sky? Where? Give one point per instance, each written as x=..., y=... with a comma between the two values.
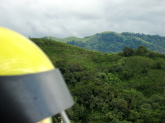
x=63, y=18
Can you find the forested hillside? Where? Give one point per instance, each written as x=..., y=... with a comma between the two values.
x=111, y=42
x=126, y=87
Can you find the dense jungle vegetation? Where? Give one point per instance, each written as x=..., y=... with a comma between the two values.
x=125, y=87
x=112, y=42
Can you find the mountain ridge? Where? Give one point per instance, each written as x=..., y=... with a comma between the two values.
x=113, y=42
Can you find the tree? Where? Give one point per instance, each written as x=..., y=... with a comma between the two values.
x=141, y=50
x=127, y=51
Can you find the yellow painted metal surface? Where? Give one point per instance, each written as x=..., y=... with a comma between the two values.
x=46, y=120
x=19, y=55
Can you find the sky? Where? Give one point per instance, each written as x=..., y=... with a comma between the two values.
x=80, y=18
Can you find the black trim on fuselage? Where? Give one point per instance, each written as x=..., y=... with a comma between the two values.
x=33, y=97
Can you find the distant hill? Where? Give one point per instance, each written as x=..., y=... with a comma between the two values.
x=125, y=87
x=65, y=40
x=112, y=42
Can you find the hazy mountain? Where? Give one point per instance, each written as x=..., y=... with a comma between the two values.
x=111, y=42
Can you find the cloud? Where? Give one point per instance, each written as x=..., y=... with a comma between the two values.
x=62, y=18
